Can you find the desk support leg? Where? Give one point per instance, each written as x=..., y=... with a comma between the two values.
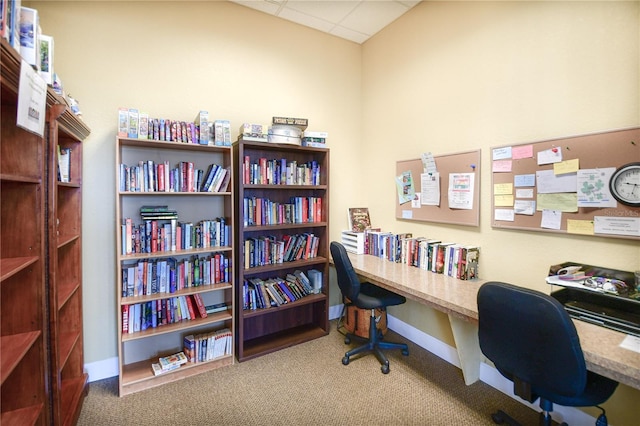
x=465, y=335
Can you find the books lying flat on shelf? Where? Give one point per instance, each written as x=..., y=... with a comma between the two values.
x=172, y=362
x=157, y=369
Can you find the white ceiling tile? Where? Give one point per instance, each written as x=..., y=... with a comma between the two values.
x=306, y=20
x=348, y=34
x=263, y=6
x=354, y=20
x=329, y=10
x=371, y=16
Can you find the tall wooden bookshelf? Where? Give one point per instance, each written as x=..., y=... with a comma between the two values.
x=24, y=365
x=137, y=350
x=64, y=222
x=261, y=331
x=43, y=378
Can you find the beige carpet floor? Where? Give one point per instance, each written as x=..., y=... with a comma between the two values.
x=308, y=385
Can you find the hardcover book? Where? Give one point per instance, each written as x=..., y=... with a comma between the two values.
x=359, y=219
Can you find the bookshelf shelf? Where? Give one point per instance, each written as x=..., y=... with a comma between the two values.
x=138, y=376
x=139, y=349
x=261, y=331
x=184, y=325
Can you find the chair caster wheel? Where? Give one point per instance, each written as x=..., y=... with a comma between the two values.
x=405, y=352
x=385, y=369
x=347, y=340
x=345, y=360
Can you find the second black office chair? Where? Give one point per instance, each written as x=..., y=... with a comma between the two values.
x=533, y=342
x=365, y=296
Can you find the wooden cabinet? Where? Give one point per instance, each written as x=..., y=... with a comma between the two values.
x=64, y=221
x=261, y=331
x=43, y=378
x=139, y=348
x=23, y=320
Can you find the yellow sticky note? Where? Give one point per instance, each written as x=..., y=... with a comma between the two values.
x=564, y=167
x=502, y=188
x=503, y=201
x=583, y=227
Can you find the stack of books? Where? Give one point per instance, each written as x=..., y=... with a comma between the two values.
x=169, y=363
x=315, y=139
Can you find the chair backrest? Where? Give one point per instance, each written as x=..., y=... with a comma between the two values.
x=347, y=278
x=528, y=335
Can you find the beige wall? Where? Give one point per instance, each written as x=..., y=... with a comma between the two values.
x=454, y=76
x=173, y=59
x=446, y=77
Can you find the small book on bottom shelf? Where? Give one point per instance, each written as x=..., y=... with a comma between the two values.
x=172, y=362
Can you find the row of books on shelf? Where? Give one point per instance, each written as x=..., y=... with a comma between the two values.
x=138, y=317
x=263, y=171
x=258, y=211
x=136, y=124
x=158, y=276
x=161, y=235
x=269, y=250
x=263, y=294
x=149, y=176
x=455, y=260
x=204, y=347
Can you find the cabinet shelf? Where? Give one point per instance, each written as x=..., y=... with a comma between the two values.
x=136, y=375
x=66, y=343
x=23, y=416
x=73, y=391
x=14, y=348
x=18, y=178
x=261, y=331
x=12, y=265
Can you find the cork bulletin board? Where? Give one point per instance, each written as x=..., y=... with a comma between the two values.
x=464, y=162
x=596, y=154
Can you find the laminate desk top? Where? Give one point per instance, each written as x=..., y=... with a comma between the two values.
x=457, y=298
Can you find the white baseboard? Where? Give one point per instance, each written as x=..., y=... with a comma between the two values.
x=488, y=374
x=102, y=369
x=109, y=367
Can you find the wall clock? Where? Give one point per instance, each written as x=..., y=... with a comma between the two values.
x=625, y=184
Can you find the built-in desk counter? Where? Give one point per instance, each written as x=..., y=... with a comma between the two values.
x=457, y=298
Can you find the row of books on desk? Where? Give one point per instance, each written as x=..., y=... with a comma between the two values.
x=455, y=260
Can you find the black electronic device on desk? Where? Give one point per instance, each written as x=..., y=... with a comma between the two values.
x=602, y=296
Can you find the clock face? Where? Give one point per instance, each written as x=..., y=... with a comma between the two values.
x=625, y=184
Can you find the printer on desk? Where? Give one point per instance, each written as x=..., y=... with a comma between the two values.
x=602, y=296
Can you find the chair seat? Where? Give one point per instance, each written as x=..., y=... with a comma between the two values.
x=371, y=297
x=597, y=390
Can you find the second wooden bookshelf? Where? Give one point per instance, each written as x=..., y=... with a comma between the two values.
x=276, y=186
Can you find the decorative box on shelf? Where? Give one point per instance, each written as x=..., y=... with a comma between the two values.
x=353, y=241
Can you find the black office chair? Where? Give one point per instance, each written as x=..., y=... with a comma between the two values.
x=533, y=342
x=365, y=296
